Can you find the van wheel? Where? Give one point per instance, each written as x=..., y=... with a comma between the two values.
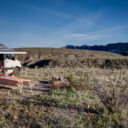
x=16, y=71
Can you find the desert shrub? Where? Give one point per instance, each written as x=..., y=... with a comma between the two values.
x=109, y=121
x=113, y=91
x=79, y=83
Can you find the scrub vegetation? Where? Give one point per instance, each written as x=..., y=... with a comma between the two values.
x=43, y=57
x=90, y=97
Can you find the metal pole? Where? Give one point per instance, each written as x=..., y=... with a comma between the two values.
x=3, y=64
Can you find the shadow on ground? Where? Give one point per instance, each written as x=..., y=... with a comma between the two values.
x=41, y=63
x=50, y=103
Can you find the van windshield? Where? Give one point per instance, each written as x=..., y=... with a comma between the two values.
x=10, y=56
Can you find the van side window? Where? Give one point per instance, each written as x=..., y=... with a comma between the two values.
x=9, y=56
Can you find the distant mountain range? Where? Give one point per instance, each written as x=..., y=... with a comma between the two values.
x=120, y=48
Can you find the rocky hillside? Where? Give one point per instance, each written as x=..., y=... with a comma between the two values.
x=41, y=57
x=120, y=48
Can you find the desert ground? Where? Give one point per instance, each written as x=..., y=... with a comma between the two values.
x=93, y=91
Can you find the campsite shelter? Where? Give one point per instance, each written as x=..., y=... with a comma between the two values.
x=6, y=51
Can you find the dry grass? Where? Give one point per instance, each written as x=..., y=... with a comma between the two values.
x=75, y=106
x=43, y=57
x=52, y=53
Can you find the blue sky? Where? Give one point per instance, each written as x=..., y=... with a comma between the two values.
x=56, y=23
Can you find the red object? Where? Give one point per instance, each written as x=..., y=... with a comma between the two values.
x=13, y=81
x=2, y=74
x=1, y=67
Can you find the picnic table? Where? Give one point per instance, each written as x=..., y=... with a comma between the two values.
x=13, y=81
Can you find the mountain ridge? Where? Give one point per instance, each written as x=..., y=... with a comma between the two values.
x=120, y=47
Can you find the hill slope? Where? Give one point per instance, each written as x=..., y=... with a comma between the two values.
x=41, y=57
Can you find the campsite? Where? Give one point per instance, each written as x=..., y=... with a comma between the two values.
x=65, y=95
x=63, y=63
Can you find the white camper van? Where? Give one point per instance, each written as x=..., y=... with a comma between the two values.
x=8, y=62
x=12, y=65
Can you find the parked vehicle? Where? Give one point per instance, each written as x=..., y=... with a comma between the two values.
x=8, y=63
x=11, y=65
